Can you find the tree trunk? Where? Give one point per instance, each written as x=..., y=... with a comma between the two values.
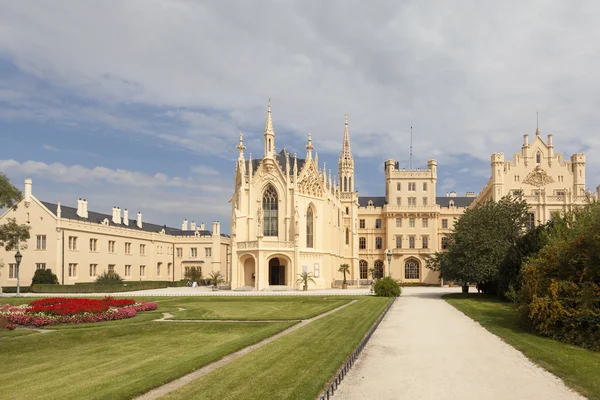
x=465, y=289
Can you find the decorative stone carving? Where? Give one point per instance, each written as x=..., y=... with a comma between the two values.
x=538, y=177
x=296, y=221
x=310, y=184
x=259, y=216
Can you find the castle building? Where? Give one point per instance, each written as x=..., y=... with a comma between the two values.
x=78, y=245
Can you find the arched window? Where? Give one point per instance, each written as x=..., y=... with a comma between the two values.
x=538, y=158
x=397, y=186
x=347, y=236
x=345, y=184
x=309, y=228
x=349, y=184
x=378, y=270
x=158, y=268
x=363, y=267
x=411, y=269
x=169, y=265
x=362, y=243
x=270, y=204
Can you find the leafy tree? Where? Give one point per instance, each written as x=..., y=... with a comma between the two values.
x=193, y=274
x=480, y=241
x=44, y=276
x=304, y=278
x=344, y=268
x=12, y=235
x=108, y=277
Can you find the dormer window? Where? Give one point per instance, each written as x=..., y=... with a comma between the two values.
x=451, y=203
x=538, y=158
x=370, y=203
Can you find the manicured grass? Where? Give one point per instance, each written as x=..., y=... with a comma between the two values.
x=577, y=367
x=295, y=366
x=255, y=308
x=119, y=359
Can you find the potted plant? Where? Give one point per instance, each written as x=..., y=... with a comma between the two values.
x=304, y=278
x=215, y=278
x=343, y=269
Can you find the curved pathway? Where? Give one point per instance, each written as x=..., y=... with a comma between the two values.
x=426, y=349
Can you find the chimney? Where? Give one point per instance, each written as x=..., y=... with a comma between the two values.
x=447, y=195
x=453, y=194
x=80, y=208
x=202, y=226
x=84, y=208
x=126, y=217
x=470, y=194
x=193, y=226
x=139, y=220
x=184, y=225
x=116, y=216
x=58, y=210
x=525, y=140
x=28, y=183
x=215, y=228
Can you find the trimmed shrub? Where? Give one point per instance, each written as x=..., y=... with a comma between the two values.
x=387, y=287
x=13, y=289
x=108, y=278
x=44, y=276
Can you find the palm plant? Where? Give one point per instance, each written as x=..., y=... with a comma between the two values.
x=343, y=269
x=216, y=278
x=109, y=277
x=304, y=278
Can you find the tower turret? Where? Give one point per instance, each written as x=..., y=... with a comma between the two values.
x=346, y=163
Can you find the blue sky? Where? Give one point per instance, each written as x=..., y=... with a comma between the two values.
x=139, y=104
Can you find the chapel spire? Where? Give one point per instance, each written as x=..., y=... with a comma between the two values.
x=346, y=162
x=269, y=134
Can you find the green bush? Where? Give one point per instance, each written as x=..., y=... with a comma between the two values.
x=560, y=293
x=109, y=277
x=387, y=287
x=98, y=288
x=44, y=276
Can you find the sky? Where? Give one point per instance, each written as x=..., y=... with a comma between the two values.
x=139, y=103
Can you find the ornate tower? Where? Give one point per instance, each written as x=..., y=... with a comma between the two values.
x=269, y=135
x=346, y=163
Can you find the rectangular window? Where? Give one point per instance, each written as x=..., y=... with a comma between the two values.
x=142, y=249
x=398, y=186
x=142, y=270
x=127, y=248
x=444, y=224
x=398, y=201
x=12, y=271
x=444, y=243
x=72, y=242
x=361, y=224
x=208, y=252
x=179, y=252
x=111, y=268
x=193, y=252
x=424, y=201
x=93, y=268
x=347, y=236
x=93, y=245
x=362, y=243
x=412, y=187
x=412, y=201
x=377, y=223
x=128, y=271
x=111, y=246
x=411, y=242
x=411, y=222
x=424, y=186
x=378, y=243
x=398, y=222
x=398, y=242
x=531, y=221
x=39, y=266
x=72, y=270
x=425, y=223
x=41, y=242
x=425, y=241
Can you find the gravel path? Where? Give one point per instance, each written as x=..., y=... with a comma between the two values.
x=426, y=349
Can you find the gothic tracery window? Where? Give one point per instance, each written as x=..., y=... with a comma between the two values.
x=411, y=269
x=309, y=228
x=270, y=206
x=363, y=269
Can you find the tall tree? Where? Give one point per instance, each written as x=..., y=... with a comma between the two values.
x=11, y=233
x=480, y=241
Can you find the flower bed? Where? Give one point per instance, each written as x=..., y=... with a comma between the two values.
x=60, y=310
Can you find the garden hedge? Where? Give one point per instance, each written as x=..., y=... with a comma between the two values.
x=98, y=288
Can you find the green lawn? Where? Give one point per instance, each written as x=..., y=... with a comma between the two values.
x=577, y=367
x=119, y=359
x=295, y=366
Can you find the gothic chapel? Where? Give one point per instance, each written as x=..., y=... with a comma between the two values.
x=289, y=215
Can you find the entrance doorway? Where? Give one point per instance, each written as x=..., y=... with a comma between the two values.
x=276, y=272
